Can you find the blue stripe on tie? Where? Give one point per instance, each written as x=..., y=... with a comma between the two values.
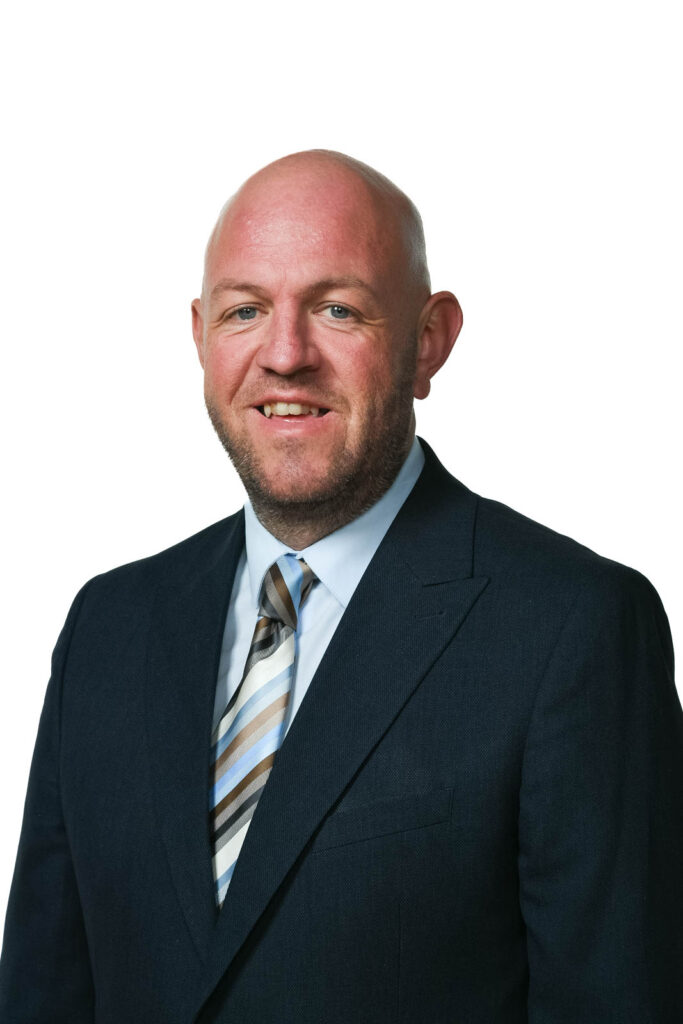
x=268, y=744
x=223, y=882
x=279, y=681
x=293, y=575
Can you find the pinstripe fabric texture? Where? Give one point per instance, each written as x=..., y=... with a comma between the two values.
x=251, y=729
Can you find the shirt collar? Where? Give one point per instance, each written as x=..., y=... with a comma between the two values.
x=340, y=559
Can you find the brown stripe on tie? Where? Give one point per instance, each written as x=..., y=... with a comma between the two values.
x=219, y=832
x=263, y=766
x=280, y=702
x=242, y=816
x=255, y=786
x=245, y=736
x=274, y=720
x=276, y=578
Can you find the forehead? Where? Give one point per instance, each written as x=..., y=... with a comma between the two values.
x=314, y=223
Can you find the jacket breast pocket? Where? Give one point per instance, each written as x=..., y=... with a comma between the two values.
x=385, y=817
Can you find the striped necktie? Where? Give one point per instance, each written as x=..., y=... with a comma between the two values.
x=251, y=729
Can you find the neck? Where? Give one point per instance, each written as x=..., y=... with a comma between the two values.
x=298, y=524
x=298, y=528
x=298, y=536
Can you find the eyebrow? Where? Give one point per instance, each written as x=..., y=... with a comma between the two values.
x=231, y=284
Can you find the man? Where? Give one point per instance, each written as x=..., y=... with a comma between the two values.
x=374, y=749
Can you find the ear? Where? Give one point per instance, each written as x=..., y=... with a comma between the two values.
x=438, y=327
x=198, y=329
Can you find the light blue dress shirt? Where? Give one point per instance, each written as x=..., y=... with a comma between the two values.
x=338, y=560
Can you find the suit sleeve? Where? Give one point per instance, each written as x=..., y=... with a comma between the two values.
x=45, y=975
x=601, y=816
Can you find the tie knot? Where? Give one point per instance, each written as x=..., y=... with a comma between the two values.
x=285, y=588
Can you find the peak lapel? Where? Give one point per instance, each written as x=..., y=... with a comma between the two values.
x=184, y=652
x=414, y=596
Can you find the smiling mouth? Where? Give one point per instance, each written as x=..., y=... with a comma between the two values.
x=291, y=409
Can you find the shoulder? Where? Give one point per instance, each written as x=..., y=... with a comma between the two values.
x=533, y=559
x=506, y=544
x=597, y=626
x=593, y=601
x=134, y=584
x=529, y=563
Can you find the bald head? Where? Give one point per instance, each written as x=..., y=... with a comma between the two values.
x=332, y=178
x=316, y=330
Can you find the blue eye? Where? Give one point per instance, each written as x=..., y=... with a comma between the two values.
x=339, y=312
x=246, y=312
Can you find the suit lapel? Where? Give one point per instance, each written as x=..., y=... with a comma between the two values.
x=184, y=651
x=414, y=596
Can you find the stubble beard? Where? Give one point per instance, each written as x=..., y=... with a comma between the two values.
x=354, y=480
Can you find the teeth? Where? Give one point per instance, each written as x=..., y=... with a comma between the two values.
x=290, y=409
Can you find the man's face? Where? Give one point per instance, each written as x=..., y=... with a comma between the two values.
x=306, y=332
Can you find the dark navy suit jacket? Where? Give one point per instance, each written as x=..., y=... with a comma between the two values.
x=475, y=818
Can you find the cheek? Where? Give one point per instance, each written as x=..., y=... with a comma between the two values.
x=224, y=371
x=365, y=368
x=387, y=393
x=377, y=379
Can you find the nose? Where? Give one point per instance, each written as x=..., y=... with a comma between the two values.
x=288, y=347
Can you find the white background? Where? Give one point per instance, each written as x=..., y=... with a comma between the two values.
x=541, y=142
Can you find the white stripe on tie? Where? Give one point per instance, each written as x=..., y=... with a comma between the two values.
x=260, y=674
x=246, y=749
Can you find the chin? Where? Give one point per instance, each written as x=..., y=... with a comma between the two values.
x=297, y=471
x=299, y=488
